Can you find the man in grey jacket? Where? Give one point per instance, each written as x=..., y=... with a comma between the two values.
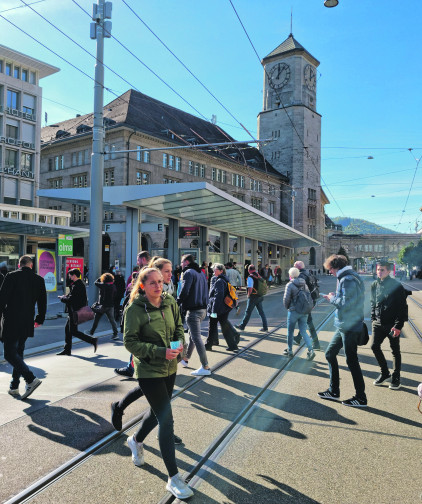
x=193, y=300
x=348, y=300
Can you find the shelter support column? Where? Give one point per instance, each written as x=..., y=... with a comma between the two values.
x=203, y=246
x=22, y=245
x=173, y=242
x=254, y=253
x=241, y=249
x=264, y=253
x=224, y=246
x=132, y=238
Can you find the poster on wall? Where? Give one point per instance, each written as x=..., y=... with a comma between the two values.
x=46, y=260
x=74, y=262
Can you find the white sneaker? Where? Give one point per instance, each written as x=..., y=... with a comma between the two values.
x=13, y=392
x=137, y=450
x=184, y=363
x=178, y=487
x=30, y=387
x=201, y=372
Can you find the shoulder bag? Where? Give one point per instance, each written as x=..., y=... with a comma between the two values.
x=83, y=315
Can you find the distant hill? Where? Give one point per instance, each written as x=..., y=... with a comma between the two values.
x=360, y=226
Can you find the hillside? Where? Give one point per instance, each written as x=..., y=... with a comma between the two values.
x=360, y=226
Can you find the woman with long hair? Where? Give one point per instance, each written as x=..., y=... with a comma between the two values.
x=153, y=333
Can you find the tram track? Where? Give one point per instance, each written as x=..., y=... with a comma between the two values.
x=217, y=444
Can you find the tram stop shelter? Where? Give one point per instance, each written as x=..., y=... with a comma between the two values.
x=198, y=204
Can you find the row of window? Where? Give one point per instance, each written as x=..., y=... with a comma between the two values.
x=11, y=160
x=80, y=214
x=21, y=101
x=378, y=247
x=18, y=72
x=79, y=158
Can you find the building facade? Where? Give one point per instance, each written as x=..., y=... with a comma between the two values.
x=289, y=116
x=155, y=133
x=20, y=125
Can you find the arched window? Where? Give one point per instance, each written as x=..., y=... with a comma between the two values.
x=312, y=256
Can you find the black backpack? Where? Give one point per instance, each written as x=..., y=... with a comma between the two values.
x=312, y=283
x=303, y=300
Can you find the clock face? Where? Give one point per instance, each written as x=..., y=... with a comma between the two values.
x=279, y=76
x=310, y=77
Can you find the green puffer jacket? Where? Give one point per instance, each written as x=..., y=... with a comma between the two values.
x=148, y=332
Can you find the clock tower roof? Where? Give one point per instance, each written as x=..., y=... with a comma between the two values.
x=288, y=48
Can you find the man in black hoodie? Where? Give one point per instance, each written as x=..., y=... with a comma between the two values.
x=388, y=314
x=193, y=299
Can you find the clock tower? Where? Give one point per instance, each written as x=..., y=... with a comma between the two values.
x=290, y=119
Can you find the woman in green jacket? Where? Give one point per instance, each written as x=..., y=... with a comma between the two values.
x=152, y=327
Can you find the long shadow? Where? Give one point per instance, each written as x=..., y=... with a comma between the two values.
x=38, y=372
x=77, y=428
x=239, y=489
x=394, y=417
x=101, y=360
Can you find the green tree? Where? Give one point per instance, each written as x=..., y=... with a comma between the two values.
x=342, y=251
x=411, y=255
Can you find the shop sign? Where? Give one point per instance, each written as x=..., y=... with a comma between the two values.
x=19, y=113
x=47, y=268
x=11, y=170
x=17, y=143
x=65, y=245
x=189, y=232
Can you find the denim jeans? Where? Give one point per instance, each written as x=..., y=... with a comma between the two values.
x=158, y=392
x=254, y=302
x=381, y=332
x=311, y=327
x=193, y=321
x=294, y=317
x=349, y=340
x=109, y=313
x=13, y=353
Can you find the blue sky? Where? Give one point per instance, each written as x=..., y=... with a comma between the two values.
x=368, y=90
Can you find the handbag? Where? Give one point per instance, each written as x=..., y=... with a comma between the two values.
x=83, y=315
x=363, y=337
x=98, y=308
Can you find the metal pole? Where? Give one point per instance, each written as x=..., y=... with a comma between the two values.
x=97, y=161
x=293, y=207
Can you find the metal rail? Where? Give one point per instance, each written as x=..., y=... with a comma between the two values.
x=44, y=482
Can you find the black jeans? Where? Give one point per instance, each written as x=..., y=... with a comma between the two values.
x=349, y=340
x=381, y=332
x=130, y=397
x=13, y=353
x=158, y=392
x=70, y=330
x=109, y=313
x=229, y=332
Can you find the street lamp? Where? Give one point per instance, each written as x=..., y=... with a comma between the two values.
x=331, y=3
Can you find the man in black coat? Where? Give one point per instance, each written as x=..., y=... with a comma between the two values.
x=388, y=315
x=19, y=293
x=75, y=300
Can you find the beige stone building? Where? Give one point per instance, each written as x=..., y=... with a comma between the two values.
x=365, y=249
x=154, y=132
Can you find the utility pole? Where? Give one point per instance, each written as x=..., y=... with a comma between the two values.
x=98, y=30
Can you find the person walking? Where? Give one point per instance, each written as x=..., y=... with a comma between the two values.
x=218, y=311
x=348, y=300
x=142, y=260
x=255, y=300
x=293, y=315
x=193, y=300
x=106, y=300
x=120, y=285
x=118, y=407
x=300, y=265
x=389, y=312
x=20, y=292
x=153, y=333
x=233, y=276
x=75, y=300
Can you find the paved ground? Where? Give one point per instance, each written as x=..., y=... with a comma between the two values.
x=293, y=448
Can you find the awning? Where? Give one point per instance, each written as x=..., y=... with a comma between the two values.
x=198, y=203
x=38, y=229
